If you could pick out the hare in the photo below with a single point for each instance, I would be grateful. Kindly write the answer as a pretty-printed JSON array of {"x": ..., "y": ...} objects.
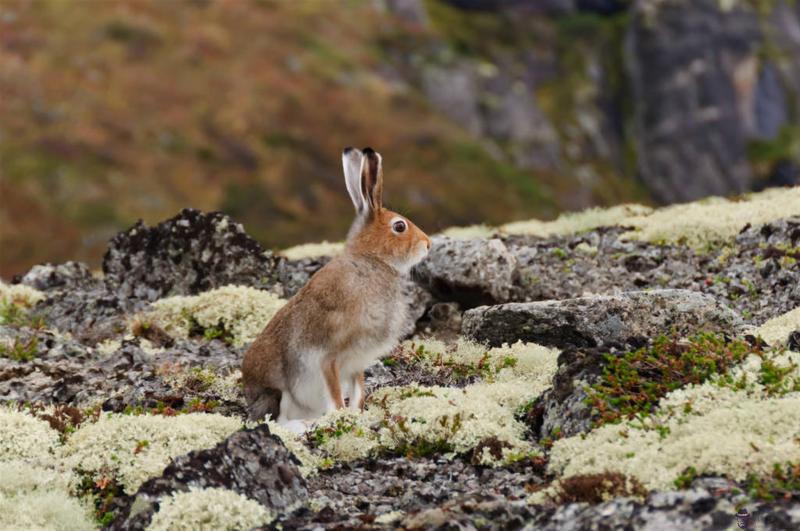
[{"x": 311, "y": 356}]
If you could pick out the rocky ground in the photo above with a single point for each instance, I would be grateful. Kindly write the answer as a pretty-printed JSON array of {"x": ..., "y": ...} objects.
[{"x": 96, "y": 362}]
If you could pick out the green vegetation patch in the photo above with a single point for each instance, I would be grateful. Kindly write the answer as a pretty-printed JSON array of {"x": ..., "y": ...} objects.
[
  {"x": 783, "y": 483},
  {"x": 20, "y": 350},
  {"x": 632, "y": 384}
]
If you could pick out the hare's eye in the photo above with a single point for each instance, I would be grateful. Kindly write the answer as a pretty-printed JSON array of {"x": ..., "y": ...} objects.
[{"x": 399, "y": 226}]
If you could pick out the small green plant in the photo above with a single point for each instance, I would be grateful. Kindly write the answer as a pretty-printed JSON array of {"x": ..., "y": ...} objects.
[
  {"x": 631, "y": 385},
  {"x": 778, "y": 380},
  {"x": 206, "y": 332},
  {"x": 20, "y": 350},
  {"x": 15, "y": 315},
  {"x": 102, "y": 489},
  {"x": 684, "y": 481},
  {"x": 323, "y": 434},
  {"x": 782, "y": 483}
]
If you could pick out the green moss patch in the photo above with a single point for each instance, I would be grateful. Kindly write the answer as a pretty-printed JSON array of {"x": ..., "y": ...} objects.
[{"x": 632, "y": 384}]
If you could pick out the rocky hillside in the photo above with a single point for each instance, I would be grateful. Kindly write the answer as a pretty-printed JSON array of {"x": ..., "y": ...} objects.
[
  {"x": 488, "y": 111},
  {"x": 618, "y": 367}
]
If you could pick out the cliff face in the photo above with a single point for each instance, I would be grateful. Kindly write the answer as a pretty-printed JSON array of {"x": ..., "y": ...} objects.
[{"x": 685, "y": 98}]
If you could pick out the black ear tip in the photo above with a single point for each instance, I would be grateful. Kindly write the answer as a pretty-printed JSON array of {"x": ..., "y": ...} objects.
[
  {"x": 347, "y": 150},
  {"x": 368, "y": 151}
]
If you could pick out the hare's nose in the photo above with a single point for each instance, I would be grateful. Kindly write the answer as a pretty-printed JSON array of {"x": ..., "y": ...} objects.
[{"x": 428, "y": 244}]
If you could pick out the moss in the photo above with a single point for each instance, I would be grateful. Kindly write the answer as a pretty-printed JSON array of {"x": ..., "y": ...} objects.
[
  {"x": 208, "y": 509},
  {"x": 632, "y": 384}
]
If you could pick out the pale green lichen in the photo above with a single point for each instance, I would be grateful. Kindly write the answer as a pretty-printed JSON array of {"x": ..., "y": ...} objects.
[
  {"x": 19, "y": 295},
  {"x": 239, "y": 312},
  {"x": 577, "y": 222},
  {"x": 714, "y": 220},
  {"x": 114, "y": 444},
  {"x": 211, "y": 509},
  {"x": 313, "y": 250},
  {"x": 418, "y": 420},
  {"x": 34, "y": 491},
  {"x": 50, "y": 510},
  {"x": 700, "y": 224},
  {"x": 471, "y": 232},
  {"x": 26, "y": 437},
  {"x": 735, "y": 425},
  {"x": 776, "y": 331},
  {"x": 310, "y": 462}
]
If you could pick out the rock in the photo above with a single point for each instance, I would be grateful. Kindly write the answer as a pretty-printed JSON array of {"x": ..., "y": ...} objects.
[
  {"x": 694, "y": 73},
  {"x": 597, "y": 320},
  {"x": 563, "y": 406},
  {"x": 695, "y": 508},
  {"x": 793, "y": 342},
  {"x": 294, "y": 274},
  {"x": 65, "y": 371},
  {"x": 188, "y": 254},
  {"x": 470, "y": 272},
  {"x": 69, "y": 275},
  {"x": 252, "y": 462},
  {"x": 443, "y": 320},
  {"x": 418, "y": 299}
]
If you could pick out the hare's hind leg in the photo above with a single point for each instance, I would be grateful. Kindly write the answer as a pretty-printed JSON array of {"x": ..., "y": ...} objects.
[
  {"x": 263, "y": 402},
  {"x": 355, "y": 390}
]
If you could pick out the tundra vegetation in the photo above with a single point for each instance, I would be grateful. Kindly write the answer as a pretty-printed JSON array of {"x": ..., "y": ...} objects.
[{"x": 666, "y": 412}]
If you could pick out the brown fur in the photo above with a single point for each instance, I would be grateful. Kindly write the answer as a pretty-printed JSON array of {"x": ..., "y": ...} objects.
[{"x": 351, "y": 302}]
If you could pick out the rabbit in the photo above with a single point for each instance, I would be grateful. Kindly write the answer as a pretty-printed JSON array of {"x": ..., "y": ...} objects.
[{"x": 311, "y": 356}]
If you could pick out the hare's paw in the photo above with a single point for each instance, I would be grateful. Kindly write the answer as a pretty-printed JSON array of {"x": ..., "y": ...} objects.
[{"x": 297, "y": 426}]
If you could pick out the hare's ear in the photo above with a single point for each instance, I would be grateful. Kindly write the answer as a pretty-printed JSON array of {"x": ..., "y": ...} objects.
[
  {"x": 372, "y": 179},
  {"x": 353, "y": 162}
]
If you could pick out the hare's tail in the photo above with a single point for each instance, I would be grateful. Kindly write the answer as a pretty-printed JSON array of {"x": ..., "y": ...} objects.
[{"x": 262, "y": 402}]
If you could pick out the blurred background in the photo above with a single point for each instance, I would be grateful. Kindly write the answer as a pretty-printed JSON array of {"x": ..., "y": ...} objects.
[{"x": 486, "y": 111}]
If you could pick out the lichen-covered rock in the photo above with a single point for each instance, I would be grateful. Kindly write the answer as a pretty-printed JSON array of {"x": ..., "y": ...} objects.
[
  {"x": 251, "y": 462},
  {"x": 470, "y": 272},
  {"x": 294, "y": 274},
  {"x": 117, "y": 374},
  {"x": 185, "y": 255},
  {"x": 597, "y": 320},
  {"x": 69, "y": 275},
  {"x": 696, "y": 508}
]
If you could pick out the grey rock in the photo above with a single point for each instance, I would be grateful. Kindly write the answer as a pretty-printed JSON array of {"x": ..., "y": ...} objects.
[
  {"x": 294, "y": 274},
  {"x": 252, "y": 462},
  {"x": 690, "y": 68},
  {"x": 68, "y": 372},
  {"x": 596, "y": 320},
  {"x": 188, "y": 254},
  {"x": 418, "y": 300},
  {"x": 470, "y": 272},
  {"x": 69, "y": 275}
]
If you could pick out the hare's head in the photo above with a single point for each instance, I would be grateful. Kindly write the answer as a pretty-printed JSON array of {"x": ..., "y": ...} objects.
[{"x": 377, "y": 231}]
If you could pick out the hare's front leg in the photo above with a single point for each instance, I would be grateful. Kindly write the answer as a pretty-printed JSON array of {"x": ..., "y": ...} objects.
[{"x": 330, "y": 370}]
